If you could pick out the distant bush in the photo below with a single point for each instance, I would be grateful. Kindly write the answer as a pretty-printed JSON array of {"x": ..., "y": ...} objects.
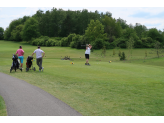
[
  {"x": 98, "y": 43},
  {"x": 72, "y": 45},
  {"x": 107, "y": 45},
  {"x": 122, "y": 56},
  {"x": 57, "y": 43},
  {"x": 50, "y": 42},
  {"x": 112, "y": 45},
  {"x": 70, "y": 36},
  {"x": 64, "y": 42},
  {"x": 81, "y": 41},
  {"x": 138, "y": 44},
  {"x": 43, "y": 41},
  {"x": 56, "y": 38},
  {"x": 53, "y": 42},
  {"x": 77, "y": 41}
]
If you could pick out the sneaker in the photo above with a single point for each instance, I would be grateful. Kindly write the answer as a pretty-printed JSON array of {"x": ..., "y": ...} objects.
[
  {"x": 88, "y": 64},
  {"x": 85, "y": 63},
  {"x": 39, "y": 70},
  {"x": 42, "y": 68}
]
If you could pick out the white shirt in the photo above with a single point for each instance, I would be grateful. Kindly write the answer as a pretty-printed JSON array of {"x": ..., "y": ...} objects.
[
  {"x": 38, "y": 53},
  {"x": 87, "y": 51}
]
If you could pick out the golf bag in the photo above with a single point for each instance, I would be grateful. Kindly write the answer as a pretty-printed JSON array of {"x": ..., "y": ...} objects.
[
  {"x": 15, "y": 64},
  {"x": 29, "y": 63}
]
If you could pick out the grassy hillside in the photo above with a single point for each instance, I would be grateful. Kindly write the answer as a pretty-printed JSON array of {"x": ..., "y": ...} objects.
[
  {"x": 130, "y": 87},
  {"x": 3, "y": 111}
]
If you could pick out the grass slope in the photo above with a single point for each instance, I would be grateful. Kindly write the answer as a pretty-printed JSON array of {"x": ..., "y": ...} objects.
[
  {"x": 127, "y": 88},
  {"x": 3, "y": 111}
]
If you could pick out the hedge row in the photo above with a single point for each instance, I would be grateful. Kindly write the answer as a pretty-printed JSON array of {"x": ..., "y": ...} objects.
[
  {"x": 79, "y": 41},
  {"x": 45, "y": 41}
]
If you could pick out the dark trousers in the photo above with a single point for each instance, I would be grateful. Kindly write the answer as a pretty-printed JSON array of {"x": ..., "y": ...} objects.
[{"x": 39, "y": 63}]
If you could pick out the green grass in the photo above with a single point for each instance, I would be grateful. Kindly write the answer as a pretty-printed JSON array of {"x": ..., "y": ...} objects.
[
  {"x": 133, "y": 87},
  {"x": 3, "y": 111}
]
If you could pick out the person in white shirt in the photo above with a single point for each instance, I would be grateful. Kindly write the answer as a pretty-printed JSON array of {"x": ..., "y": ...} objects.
[
  {"x": 39, "y": 57},
  {"x": 87, "y": 53}
]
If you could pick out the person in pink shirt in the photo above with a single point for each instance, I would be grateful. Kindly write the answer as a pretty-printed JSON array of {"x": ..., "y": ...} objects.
[{"x": 20, "y": 53}]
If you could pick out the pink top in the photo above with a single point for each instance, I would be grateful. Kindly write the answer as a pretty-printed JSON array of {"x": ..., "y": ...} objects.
[{"x": 20, "y": 52}]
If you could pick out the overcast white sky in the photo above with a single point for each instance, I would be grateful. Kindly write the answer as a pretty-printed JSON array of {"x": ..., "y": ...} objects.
[{"x": 149, "y": 13}]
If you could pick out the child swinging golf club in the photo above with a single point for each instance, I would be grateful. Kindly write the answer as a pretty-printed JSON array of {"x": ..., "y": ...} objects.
[{"x": 87, "y": 53}]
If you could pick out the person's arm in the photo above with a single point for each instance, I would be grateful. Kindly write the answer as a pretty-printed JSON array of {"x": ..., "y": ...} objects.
[{"x": 32, "y": 54}]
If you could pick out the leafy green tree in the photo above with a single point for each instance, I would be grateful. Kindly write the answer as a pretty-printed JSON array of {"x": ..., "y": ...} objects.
[
  {"x": 120, "y": 42},
  {"x": 1, "y": 33},
  {"x": 122, "y": 23},
  {"x": 138, "y": 44},
  {"x": 121, "y": 55},
  {"x": 68, "y": 24},
  {"x": 103, "y": 50},
  {"x": 144, "y": 34},
  {"x": 77, "y": 41},
  {"x": 11, "y": 27},
  {"x": 155, "y": 35},
  {"x": 140, "y": 29},
  {"x": 24, "y": 19},
  {"x": 70, "y": 36},
  {"x": 44, "y": 25},
  {"x": 127, "y": 34},
  {"x": 112, "y": 28},
  {"x": 56, "y": 19},
  {"x": 64, "y": 42},
  {"x": 157, "y": 48},
  {"x": 98, "y": 43},
  {"x": 130, "y": 45},
  {"x": 95, "y": 30},
  {"x": 6, "y": 34},
  {"x": 16, "y": 34},
  {"x": 84, "y": 20},
  {"x": 30, "y": 29},
  {"x": 39, "y": 17}
]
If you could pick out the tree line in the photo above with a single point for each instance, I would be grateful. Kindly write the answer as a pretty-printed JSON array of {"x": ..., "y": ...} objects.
[{"x": 80, "y": 27}]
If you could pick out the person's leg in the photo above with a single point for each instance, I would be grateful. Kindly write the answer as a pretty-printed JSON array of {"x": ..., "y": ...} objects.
[
  {"x": 21, "y": 60},
  {"x": 39, "y": 63},
  {"x": 86, "y": 59}
]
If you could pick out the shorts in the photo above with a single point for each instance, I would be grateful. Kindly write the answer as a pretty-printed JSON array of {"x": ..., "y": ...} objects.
[
  {"x": 21, "y": 59},
  {"x": 87, "y": 56}
]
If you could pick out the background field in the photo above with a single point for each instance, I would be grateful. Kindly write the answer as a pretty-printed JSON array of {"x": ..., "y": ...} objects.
[
  {"x": 120, "y": 88},
  {"x": 3, "y": 111}
]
